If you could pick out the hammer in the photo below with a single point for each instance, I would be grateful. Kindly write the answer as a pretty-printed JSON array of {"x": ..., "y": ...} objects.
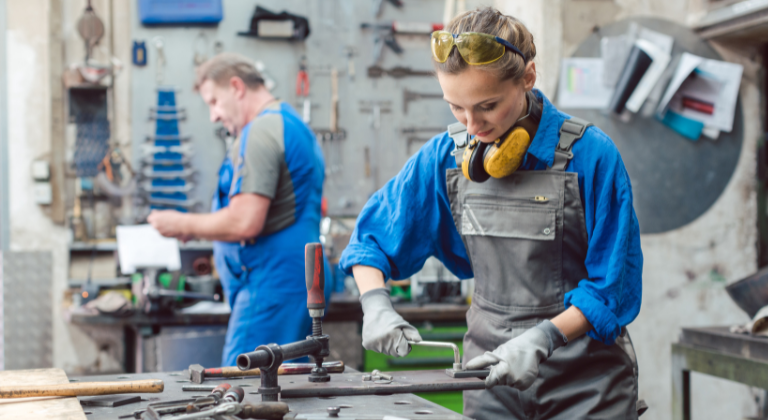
[
  {"x": 198, "y": 374},
  {"x": 83, "y": 389}
]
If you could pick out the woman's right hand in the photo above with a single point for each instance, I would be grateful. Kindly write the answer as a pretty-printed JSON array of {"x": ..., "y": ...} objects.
[{"x": 384, "y": 330}]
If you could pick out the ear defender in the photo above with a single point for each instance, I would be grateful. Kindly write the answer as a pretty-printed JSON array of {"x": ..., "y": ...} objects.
[
  {"x": 472, "y": 166},
  {"x": 497, "y": 159},
  {"x": 505, "y": 156}
]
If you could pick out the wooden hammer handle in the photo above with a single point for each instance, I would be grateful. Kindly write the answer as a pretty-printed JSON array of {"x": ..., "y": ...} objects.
[{"x": 83, "y": 389}]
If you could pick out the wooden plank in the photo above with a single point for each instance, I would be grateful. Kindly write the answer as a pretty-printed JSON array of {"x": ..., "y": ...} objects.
[{"x": 55, "y": 408}]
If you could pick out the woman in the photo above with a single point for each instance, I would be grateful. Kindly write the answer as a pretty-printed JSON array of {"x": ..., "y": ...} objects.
[{"x": 543, "y": 221}]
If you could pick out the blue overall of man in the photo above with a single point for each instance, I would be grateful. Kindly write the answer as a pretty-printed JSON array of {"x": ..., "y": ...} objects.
[{"x": 266, "y": 207}]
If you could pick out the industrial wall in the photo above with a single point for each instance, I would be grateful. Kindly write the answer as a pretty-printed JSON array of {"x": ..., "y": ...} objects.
[{"x": 685, "y": 269}]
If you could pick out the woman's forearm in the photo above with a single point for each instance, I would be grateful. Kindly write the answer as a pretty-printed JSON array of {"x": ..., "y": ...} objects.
[
  {"x": 367, "y": 278},
  {"x": 572, "y": 323}
]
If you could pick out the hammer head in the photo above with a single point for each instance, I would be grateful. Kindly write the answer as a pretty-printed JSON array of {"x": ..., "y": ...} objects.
[{"x": 196, "y": 374}]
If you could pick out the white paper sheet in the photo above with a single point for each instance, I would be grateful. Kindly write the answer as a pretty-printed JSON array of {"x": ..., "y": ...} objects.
[
  {"x": 142, "y": 246},
  {"x": 581, "y": 84},
  {"x": 729, "y": 75},
  {"x": 660, "y": 62}
]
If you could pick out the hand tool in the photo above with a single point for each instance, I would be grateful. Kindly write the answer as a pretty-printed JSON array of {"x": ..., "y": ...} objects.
[
  {"x": 410, "y": 96},
  {"x": 155, "y": 410},
  {"x": 375, "y": 72},
  {"x": 235, "y": 394},
  {"x": 269, "y": 357},
  {"x": 334, "y": 124},
  {"x": 457, "y": 371},
  {"x": 198, "y": 374},
  {"x": 264, "y": 410},
  {"x": 385, "y": 34},
  {"x": 83, "y": 389}
]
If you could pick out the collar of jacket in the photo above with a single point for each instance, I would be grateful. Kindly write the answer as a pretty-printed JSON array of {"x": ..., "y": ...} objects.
[{"x": 543, "y": 144}]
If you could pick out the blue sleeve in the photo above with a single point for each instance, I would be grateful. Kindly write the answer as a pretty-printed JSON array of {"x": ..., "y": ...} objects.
[
  {"x": 610, "y": 298},
  {"x": 409, "y": 220}
]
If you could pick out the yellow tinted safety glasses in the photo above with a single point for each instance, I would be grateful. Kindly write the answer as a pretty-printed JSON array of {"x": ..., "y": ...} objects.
[{"x": 475, "y": 48}]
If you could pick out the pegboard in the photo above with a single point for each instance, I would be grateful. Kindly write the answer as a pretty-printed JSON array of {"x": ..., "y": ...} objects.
[{"x": 368, "y": 157}]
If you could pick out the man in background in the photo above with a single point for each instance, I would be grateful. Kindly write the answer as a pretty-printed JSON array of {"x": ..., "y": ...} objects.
[{"x": 265, "y": 209}]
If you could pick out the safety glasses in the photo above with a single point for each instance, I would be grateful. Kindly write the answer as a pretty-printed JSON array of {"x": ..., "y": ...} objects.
[{"x": 475, "y": 48}]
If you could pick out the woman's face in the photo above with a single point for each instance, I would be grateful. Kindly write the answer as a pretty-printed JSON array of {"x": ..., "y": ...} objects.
[{"x": 486, "y": 105}]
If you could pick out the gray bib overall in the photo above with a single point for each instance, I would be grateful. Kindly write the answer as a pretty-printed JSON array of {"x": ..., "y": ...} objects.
[{"x": 526, "y": 238}]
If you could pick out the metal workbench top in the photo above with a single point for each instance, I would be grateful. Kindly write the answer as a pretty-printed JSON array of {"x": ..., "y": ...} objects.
[{"x": 402, "y": 406}]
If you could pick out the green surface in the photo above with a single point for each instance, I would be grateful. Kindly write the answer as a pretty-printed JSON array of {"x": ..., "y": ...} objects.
[{"x": 424, "y": 358}]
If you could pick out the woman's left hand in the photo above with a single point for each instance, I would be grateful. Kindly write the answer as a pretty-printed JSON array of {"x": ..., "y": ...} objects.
[{"x": 516, "y": 362}]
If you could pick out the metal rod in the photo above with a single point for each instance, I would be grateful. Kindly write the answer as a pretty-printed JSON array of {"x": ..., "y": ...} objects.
[{"x": 453, "y": 346}]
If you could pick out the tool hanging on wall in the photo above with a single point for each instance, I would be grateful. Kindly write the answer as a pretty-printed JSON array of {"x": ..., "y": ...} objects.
[
  {"x": 375, "y": 72},
  {"x": 410, "y": 96},
  {"x": 378, "y": 5},
  {"x": 334, "y": 124},
  {"x": 139, "y": 53},
  {"x": 302, "y": 90},
  {"x": 375, "y": 108},
  {"x": 385, "y": 34},
  {"x": 201, "y": 49},
  {"x": 91, "y": 28},
  {"x": 157, "y": 42},
  {"x": 350, "y": 53}
]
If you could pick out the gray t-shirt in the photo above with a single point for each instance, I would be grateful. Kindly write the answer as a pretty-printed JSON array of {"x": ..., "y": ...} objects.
[{"x": 265, "y": 171}]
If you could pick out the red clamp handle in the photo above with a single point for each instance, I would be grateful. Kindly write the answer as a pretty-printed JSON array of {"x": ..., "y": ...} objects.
[{"x": 314, "y": 273}]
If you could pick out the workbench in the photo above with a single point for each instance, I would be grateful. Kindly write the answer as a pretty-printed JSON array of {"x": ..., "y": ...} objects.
[
  {"x": 406, "y": 406},
  {"x": 718, "y": 352},
  {"x": 343, "y": 308}
]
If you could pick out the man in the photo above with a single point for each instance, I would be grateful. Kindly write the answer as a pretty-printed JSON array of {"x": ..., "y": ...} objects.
[{"x": 265, "y": 209}]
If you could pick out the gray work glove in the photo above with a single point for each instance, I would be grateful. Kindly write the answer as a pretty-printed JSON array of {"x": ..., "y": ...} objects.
[
  {"x": 516, "y": 362},
  {"x": 384, "y": 330}
]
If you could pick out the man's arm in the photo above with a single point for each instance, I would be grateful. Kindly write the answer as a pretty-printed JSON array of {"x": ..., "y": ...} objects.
[{"x": 243, "y": 219}]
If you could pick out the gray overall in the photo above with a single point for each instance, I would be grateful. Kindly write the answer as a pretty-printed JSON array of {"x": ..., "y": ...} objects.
[{"x": 526, "y": 238}]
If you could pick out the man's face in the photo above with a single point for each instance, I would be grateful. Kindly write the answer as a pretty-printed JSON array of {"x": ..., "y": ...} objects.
[{"x": 224, "y": 104}]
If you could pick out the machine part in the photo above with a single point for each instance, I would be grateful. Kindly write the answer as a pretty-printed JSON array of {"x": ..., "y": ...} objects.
[
  {"x": 333, "y": 411},
  {"x": 229, "y": 408},
  {"x": 269, "y": 357},
  {"x": 381, "y": 375},
  {"x": 235, "y": 394},
  {"x": 83, "y": 389},
  {"x": 456, "y": 354},
  {"x": 202, "y": 266},
  {"x": 404, "y": 382},
  {"x": 398, "y": 72},
  {"x": 198, "y": 374},
  {"x": 410, "y": 96},
  {"x": 314, "y": 275},
  {"x": 367, "y": 377},
  {"x": 91, "y": 29}
]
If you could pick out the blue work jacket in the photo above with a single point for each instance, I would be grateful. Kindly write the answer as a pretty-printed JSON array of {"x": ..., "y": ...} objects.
[{"x": 409, "y": 220}]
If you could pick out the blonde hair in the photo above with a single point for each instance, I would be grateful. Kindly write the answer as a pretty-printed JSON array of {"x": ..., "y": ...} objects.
[
  {"x": 222, "y": 67},
  {"x": 490, "y": 21}
]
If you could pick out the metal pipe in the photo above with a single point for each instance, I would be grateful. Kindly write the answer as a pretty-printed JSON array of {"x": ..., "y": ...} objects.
[
  {"x": 262, "y": 358},
  {"x": 453, "y": 346}
]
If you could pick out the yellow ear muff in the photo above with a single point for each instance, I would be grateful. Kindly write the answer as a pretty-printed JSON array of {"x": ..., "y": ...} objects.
[
  {"x": 472, "y": 165},
  {"x": 505, "y": 156}
]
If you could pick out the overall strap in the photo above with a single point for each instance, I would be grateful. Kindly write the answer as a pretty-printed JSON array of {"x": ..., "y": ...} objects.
[
  {"x": 458, "y": 132},
  {"x": 237, "y": 164},
  {"x": 570, "y": 131}
]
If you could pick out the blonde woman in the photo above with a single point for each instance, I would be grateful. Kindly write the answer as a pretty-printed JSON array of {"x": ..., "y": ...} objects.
[{"x": 537, "y": 207}]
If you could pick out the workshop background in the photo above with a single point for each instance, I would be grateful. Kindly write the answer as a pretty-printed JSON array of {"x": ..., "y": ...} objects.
[{"x": 701, "y": 204}]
